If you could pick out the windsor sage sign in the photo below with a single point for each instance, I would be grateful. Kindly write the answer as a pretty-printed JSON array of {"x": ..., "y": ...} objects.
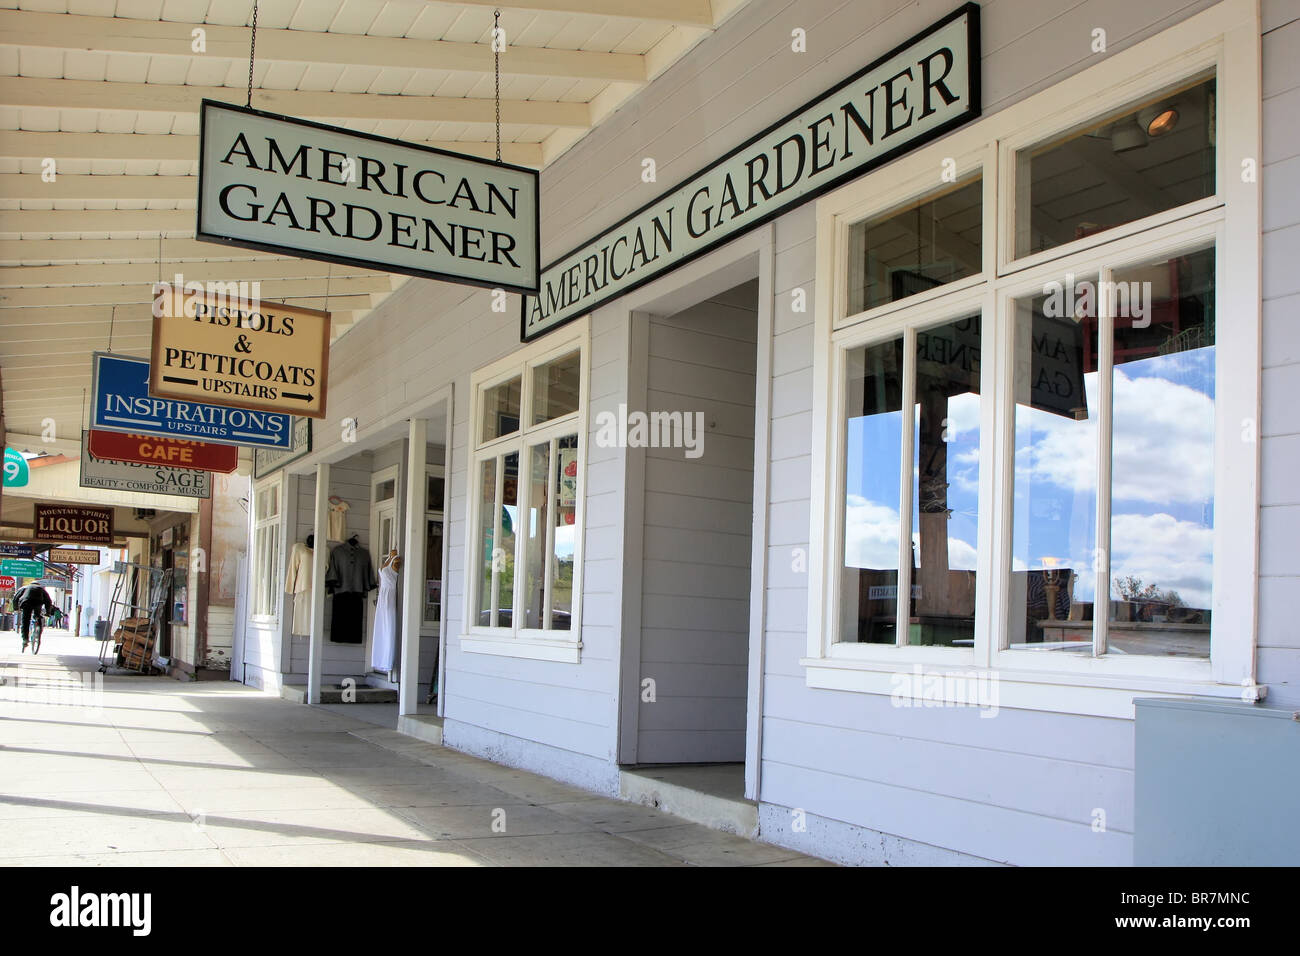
[
  {"x": 280, "y": 184},
  {"x": 921, "y": 89}
]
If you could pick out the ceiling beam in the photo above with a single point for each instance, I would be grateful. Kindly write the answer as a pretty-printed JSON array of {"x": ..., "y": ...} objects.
[
  {"x": 141, "y": 250},
  {"x": 34, "y": 186},
  {"x": 677, "y": 12},
  {"x": 147, "y": 272},
  {"x": 273, "y": 290},
  {"x": 97, "y": 220},
  {"x": 170, "y": 146},
  {"x": 43, "y": 93},
  {"x": 342, "y": 308},
  {"x": 63, "y": 31}
]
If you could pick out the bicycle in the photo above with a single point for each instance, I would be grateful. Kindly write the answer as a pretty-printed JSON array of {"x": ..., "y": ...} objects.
[{"x": 35, "y": 629}]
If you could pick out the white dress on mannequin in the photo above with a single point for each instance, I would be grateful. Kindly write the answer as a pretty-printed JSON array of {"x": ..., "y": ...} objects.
[{"x": 383, "y": 646}]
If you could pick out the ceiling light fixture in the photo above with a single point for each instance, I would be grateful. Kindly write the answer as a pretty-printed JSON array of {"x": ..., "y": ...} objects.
[{"x": 1159, "y": 119}]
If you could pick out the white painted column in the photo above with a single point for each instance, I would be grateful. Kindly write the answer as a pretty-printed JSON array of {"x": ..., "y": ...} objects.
[
  {"x": 319, "y": 558},
  {"x": 417, "y": 454}
]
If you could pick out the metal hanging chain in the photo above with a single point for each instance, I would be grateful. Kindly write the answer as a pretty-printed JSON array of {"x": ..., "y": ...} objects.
[
  {"x": 329, "y": 271},
  {"x": 112, "y": 319},
  {"x": 252, "y": 52},
  {"x": 496, "y": 56}
]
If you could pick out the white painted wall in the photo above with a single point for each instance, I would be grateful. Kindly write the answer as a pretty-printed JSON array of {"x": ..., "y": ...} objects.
[
  {"x": 1279, "y": 640},
  {"x": 698, "y": 520},
  {"x": 1020, "y": 788}
]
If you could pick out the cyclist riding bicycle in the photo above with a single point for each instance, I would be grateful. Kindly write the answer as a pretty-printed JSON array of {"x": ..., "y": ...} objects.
[{"x": 30, "y": 600}]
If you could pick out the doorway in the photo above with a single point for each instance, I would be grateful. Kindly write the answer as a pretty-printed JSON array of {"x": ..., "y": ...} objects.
[
  {"x": 384, "y": 494},
  {"x": 697, "y": 527}
]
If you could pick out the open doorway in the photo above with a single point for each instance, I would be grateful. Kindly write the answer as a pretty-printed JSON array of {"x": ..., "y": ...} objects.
[{"x": 697, "y": 527}]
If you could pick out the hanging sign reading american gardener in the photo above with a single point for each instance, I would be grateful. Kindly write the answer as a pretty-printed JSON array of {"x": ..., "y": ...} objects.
[
  {"x": 257, "y": 355},
  {"x": 280, "y": 184},
  {"x": 920, "y": 90}
]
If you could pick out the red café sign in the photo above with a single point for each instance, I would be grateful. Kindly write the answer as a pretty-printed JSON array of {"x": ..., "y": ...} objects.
[{"x": 173, "y": 452}]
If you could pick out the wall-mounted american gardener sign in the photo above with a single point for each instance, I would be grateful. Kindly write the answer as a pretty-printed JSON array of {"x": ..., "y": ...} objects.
[
  {"x": 271, "y": 357},
  {"x": 81, "y": 524},
  {"x": 917, "y": 91},
  {"x": 280, "y": 184}
]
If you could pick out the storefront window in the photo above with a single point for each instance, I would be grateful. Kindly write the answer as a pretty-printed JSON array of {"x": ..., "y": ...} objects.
[
  {"x": 1143, "y": 159},
  {"x": 1050, "y": 468},
  {"x": 925, "y": 244},
  {"x": 266, "y": 550},
  {"x": 1162, "y": 472},
  {"x": 1054, "y": 515},
  {"x": 939, "y": 365},
  {"x": 500, "y": 410},
  {"x": 555, "y": 388},
  {"x": 528, "y": 505}
]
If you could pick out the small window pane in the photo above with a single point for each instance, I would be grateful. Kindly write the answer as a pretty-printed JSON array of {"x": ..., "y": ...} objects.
[
  {"x": 874, "y": 443},
  {"x": 500, "y": 410},
  {"x": 505, "y": 553},
  {"x": 918, "y": 247},
  {"x": 385, "y": 489},
  {"x": 945, "y": 490},
  {"x": 565, "y": 513},
  {"x": 487, "y": 518},
  {"x": 535, "y": 536},
  {"x": 432, "y": 571},
  {"x": 555, "y": 388},
  {"x": 1054, "y": 517},
  {"x": 434, "y": 490},
  {"x": 1162, "y": 473},
  {"x": 1144, "y": 159}
]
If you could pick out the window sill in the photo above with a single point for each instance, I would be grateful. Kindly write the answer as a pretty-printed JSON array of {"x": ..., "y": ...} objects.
[
  {"x": 918, "y": 684},
  {"x": 565, "y": 651}
]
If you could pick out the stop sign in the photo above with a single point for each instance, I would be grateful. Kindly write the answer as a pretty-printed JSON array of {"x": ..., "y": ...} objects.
[{"x": 7, "y": 582}]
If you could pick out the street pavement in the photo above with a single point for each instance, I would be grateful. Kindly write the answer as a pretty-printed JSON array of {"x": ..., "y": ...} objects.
[{"x": 149, "y": 771}]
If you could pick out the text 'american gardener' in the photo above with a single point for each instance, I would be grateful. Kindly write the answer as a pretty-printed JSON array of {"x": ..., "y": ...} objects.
[{"x": 363, "y": 223}]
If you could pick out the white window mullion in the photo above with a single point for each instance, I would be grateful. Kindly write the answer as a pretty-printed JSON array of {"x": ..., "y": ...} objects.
[
  {"x": 500, "y": 471},
  {"x": 1105, "y": 417},
  {"x": 903, "y": 628},
  {"x": 552, "y": 510}
]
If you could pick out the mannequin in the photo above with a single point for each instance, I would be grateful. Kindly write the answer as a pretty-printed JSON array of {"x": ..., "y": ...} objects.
[
  {"x": 383, "y": 647},
  {"x": 298, "y": 582},
  {"x": 349, "y": 577}
]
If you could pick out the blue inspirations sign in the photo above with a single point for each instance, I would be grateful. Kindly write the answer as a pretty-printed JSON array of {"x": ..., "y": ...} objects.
[{"x": 123, "y": 404}]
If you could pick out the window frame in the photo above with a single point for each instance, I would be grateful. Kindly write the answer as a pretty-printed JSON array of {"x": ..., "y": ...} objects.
[
  {"x": 516, "y": 640},
  {"x": 434, "y": 514},
  {"x": 271, "y": 575},
  {"x": 1224, "y": 38}
]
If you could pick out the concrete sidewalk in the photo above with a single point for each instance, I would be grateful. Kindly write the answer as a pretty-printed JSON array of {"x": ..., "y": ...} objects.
[{"x": 155, "y": 772}]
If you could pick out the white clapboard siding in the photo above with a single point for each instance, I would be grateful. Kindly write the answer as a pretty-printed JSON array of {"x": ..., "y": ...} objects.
[
  {"x": 1018, "y": 788},
  {"x": 1279, "y": 640},
  {"x": 698, "y": 518}
]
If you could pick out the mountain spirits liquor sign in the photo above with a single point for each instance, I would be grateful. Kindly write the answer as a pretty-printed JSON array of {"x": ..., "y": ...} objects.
[
  {"x": 280, "y": 184},
  {"x": 73, "y": 523},
  {"x": 914, "y": 93}
]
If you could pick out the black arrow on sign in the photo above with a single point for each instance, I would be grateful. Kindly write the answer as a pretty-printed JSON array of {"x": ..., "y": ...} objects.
[
  {"x": 306, "y": 398},
  {"x": 180, "y": 381}
]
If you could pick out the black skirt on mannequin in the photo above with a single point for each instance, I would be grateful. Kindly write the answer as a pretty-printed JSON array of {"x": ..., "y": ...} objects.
[{"x": 347, "y": 621}]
